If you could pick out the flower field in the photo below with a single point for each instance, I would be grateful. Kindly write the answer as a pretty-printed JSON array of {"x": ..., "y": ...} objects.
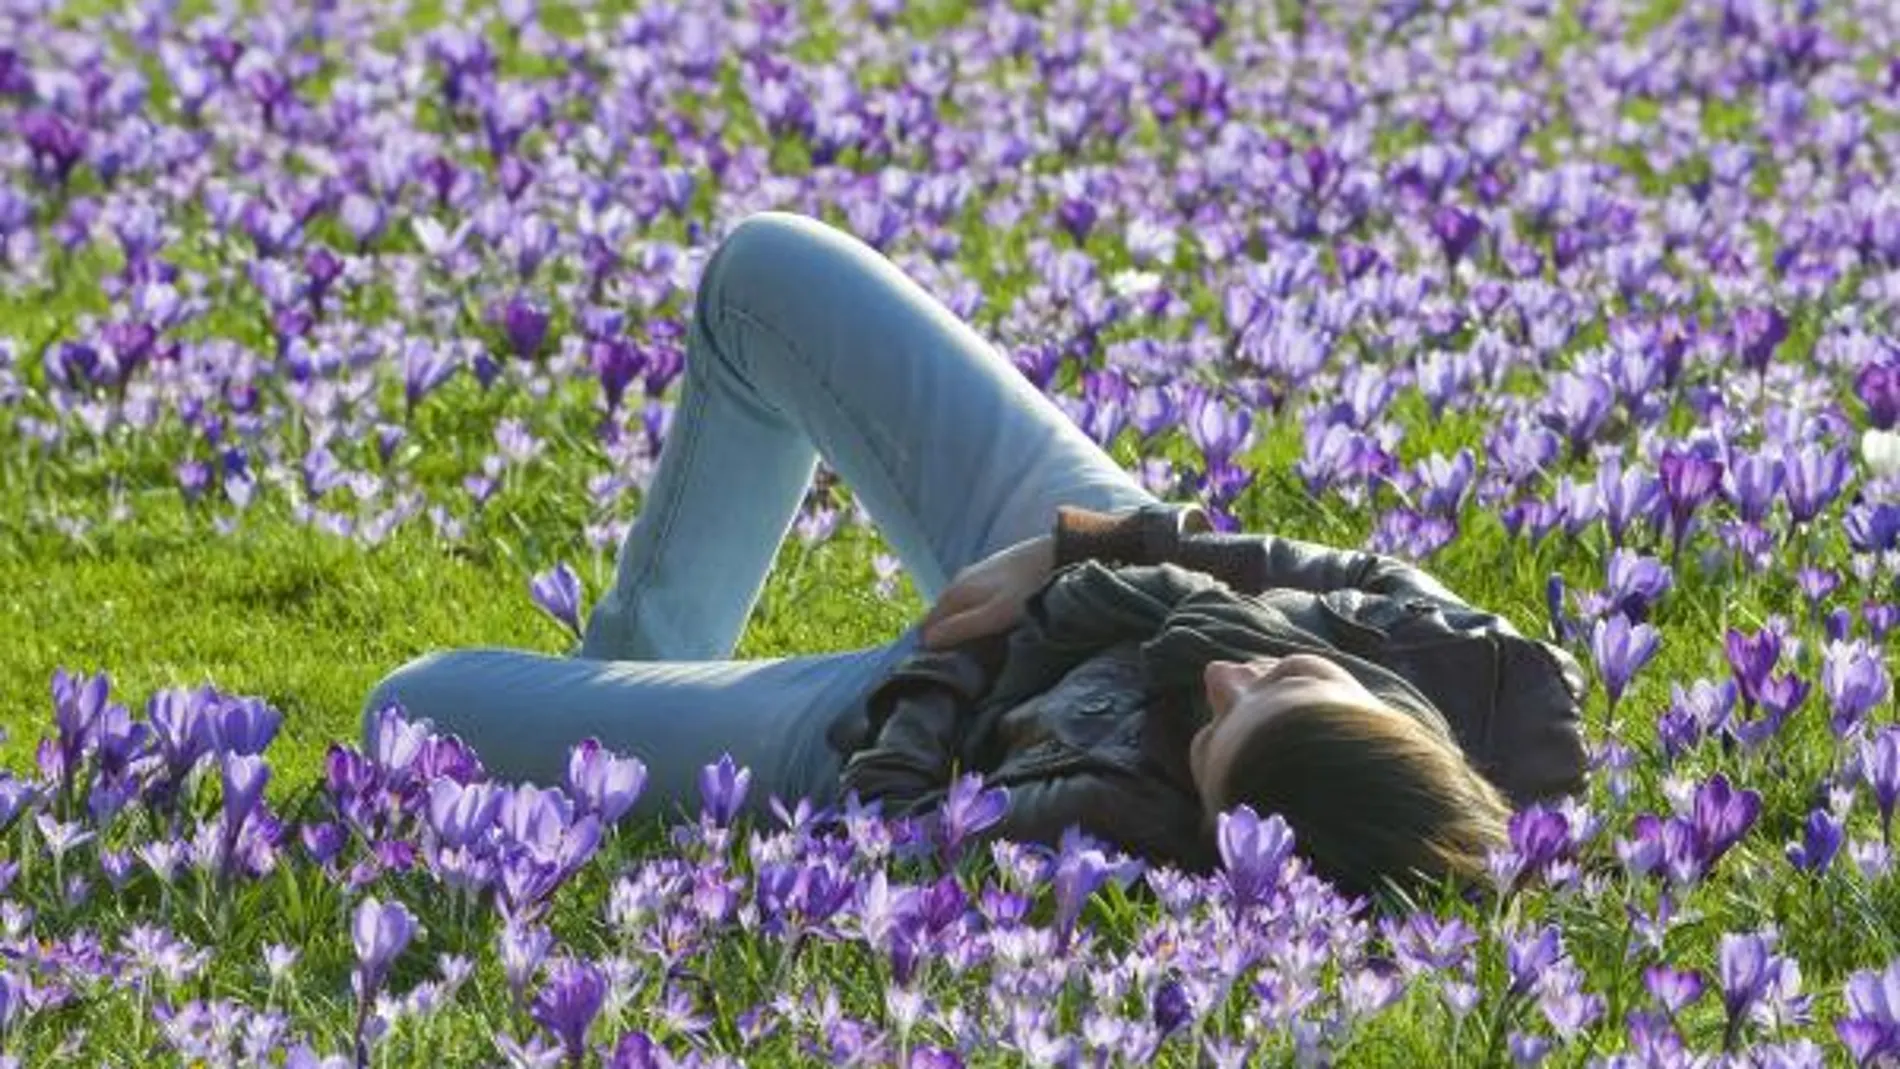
[{"x": 332, "y": 333}]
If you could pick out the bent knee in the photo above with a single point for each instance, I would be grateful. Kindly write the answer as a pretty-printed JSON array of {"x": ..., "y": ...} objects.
[
  {"x": 757, "y": 264},
  {"x": 767, "y": 231}
]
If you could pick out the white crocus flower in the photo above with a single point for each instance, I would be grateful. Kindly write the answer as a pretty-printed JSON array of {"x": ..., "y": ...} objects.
[
  {"x": 1133, "y": 283},
  {"x": 1880, "y": 450}
]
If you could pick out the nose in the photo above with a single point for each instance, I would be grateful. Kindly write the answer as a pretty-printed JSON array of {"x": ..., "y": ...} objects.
[{"x": 1226, "y": 679}]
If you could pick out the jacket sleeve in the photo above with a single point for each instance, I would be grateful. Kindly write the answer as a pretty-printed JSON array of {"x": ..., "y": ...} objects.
[
  {"x": 912, "y": 758},
  {"x": 1536, "y": 750},
  {"x": 1248, "y": 563}
]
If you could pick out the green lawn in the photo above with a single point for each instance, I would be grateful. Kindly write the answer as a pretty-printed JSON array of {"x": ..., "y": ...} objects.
[{"x": 311, "y": 622}]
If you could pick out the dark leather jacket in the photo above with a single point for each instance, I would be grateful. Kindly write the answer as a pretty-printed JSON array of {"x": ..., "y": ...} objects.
[{"x": 1103, "y": 748}]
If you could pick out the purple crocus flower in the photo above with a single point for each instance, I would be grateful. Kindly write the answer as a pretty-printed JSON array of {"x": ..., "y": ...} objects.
[
  {"x": 1576, "y": 504},
  {"x": 969, "y": 809},
  {"x": 1218, "y": 430},
  {"x": 1758, "y": 332},
  {"x": 1816, "y": 584},
  {"x": 533, "y": 238},
  {"x": 244, "y": 725},
  {"x": 1456, "y": 230},
  {"x": 1880, "y": 617},
  {"x": 616, "y": 363},
  {"x": 1253, "y": 852},
  {"x": 1868, "y": 1040},
  {"x": 180, "y": 728},
  {"x": 380, "y": 932},
  {"x": 1673, "y": 989},
  {"x": 1565, "y": 1003},
  {"x": 1528, "y": 1049},
  {"x": 1152, "y": 411},
  {"x": 1821, "y": 839},
  {"x": 396, "y": 743},
  {"x": 77, "y": 708},
  {"x": 1781, "y": 694},
  {"x": 558, "y": 593},
  {"x": 1838, "y": 624},
  {"x": 15, "y": 74},
  {"x": 637, "y": 1050},
  {"x": 1722, "y": 815},
  {"x": 425, "y": 366},
  {"x": 363, "y": 217},
  {"x": 1576, "y": 406},
  {"x": 1076, "y": 216},
  {"x": 1745, "y": 967},
  {"x": 16, "y": 795},
  {"x": 1855, "y": 682},
  {"x": 1871, "y": 527},
  {"x": 1079, "y": 872},
  {"x": 552, "y": 834},
  {"x": 1752, "y": 484},
  {"x": 1527, "y": 957},
  {"x": 1654, "y": 1042},
  {"x": 1880, "y": 765},
  {"x": 194, "y": 476},
  {"x": 1871, "y": 1028},
  {"x": 1445, "y": 483},
  {"x": 1658, "y": 846},
  {"x": 1171, "y": 1009},
  {"x": 1356, "y": 258},
  {"x": 244, "y": 777},
  {"x": 524, "y": 324},
  {"x": 1562, "y": 627},
  {"x": 1620, "y": 650},
  {"x": 323, "y": 841},
  {"x": 462, "y": 814},
  {"x": 1689, "y": 480},
  {"x": 602, "y": 782},
  {"x": 568, "y": 1003},
  {"x": 1539, "y": 837},
  {"x": 1878, "y": 387},
  {"x": 1751, "y": 658},
  {"x": 323, "y": 268},
  {"x": 524, "y": 946},
  {"x": 1635, "y": 582},
  {"x": 1815, "y": 478},
  {"x": 57, "y": 145},
  {"x": 722, "y": 790}
]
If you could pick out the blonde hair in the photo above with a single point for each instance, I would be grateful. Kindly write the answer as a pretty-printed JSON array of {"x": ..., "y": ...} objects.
[{"x": 1371, "y": 795}]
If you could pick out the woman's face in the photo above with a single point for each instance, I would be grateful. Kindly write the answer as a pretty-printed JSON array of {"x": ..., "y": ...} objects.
[{"x": 1243, "y": 695}]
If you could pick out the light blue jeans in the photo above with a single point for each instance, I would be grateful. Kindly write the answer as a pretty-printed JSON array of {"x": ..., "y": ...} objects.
[{"x": 804, "y": 342}]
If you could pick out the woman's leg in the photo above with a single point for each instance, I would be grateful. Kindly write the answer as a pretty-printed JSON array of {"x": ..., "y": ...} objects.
[
  {"x": 805, "y": 341},
  {"x": 522, "y": 712}
]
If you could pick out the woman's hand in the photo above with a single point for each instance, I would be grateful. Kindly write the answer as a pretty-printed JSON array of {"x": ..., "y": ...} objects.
[{"x": 986, "y": 597}]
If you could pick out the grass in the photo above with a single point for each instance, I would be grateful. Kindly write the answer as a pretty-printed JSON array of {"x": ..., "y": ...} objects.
[{"x": 311, "y": 622}]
